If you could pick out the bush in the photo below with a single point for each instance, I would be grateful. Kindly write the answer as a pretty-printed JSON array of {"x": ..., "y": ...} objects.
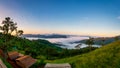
[{"x": 40, "y": 63}]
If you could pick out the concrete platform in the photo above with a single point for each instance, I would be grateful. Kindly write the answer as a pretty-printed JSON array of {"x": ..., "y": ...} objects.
[{"x": 63, "y": 65}]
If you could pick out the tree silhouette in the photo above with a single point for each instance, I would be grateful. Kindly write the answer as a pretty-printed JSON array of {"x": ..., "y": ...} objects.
[
  {"x": 8, "y": 26},
  {"x": 13, "y": 27},
  {"x": 90, "y": 42},
  {"x": 19, "y": 32}
]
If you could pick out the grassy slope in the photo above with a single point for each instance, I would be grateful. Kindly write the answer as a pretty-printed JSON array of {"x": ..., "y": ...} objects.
[
  {"x": 98, "y": 41},
  {"x": 105, "y": 57}
]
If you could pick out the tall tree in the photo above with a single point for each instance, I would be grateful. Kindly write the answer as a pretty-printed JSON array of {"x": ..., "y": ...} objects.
[
  {"x": 90, "y": 42},
  {"x": 8, "y": 26}
]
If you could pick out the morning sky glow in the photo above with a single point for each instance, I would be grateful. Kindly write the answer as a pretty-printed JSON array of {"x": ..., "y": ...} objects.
[{"x": 78, "y": 17}]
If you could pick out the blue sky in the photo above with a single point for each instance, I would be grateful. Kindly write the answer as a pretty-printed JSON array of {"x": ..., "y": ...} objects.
[{"x": 80, "y": 17}]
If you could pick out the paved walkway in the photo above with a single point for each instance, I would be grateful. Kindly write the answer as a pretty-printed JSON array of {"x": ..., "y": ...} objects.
[
  {"x": 2, "y": 65},
  {"x": 64, "y": 65}
]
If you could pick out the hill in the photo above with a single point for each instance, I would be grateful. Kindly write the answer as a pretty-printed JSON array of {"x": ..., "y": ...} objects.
[
  {"x": 45, "y": 36},
  {"x": 104, "y": 57},
  {"x": 38, "y": 49},
  {"x": 99, "y": 40},
  {"x": 34, "y": 48}
]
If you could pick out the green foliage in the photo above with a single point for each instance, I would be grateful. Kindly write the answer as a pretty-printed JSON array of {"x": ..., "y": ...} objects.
[
  {"x": 73, "y": 52},
  {"x": 101, "y": 40},
  {"x": 8, "y": 26},
  {"x": 104, "y": 57},
  {"x": 41, "y": 49},
  {"x": 90, "y": 42},
  {"x": 39, "y": 64},
  {"x": 116, "y": 38},
  {"x": 29, "y": 47}
]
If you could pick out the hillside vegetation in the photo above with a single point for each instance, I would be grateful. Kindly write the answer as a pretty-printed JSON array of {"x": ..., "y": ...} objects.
[
  {"x": 39, "y": 49},
  {"x": 101, "y": 40},
  {"x": 104, "y": 57},
  {"x": 29, "y": 47}
]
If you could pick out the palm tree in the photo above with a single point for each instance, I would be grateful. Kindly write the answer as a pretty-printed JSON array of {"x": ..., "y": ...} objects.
[{"x": 90, "y": 42}]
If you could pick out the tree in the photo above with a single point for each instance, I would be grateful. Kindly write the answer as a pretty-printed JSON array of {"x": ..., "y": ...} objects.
[
  {"x": 90, "y": 42},
  {"x": 116, "y": 38},
  {"x": 103, "y": 41},
  {"x": 13, "y": 27},
  {"x": 19, "y": 32},
  {"x": 8, "y": 26}
]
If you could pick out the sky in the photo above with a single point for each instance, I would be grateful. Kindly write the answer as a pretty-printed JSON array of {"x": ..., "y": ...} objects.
[{"x": 76, "y": 17}]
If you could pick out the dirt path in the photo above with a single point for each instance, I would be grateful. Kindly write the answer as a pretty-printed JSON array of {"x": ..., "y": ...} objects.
[{"x": 2, "y": 65}]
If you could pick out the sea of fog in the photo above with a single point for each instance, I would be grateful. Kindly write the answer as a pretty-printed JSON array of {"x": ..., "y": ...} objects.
[{"x": 66, "y": 41}]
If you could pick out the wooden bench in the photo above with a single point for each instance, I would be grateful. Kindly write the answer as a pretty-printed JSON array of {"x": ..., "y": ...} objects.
[
  {"x": 20, "y": 60},
  {"x": 13, "y": 55},
  {"x": 25, "y": 61}
]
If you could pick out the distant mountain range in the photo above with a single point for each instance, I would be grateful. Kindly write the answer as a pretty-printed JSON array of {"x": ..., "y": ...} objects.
[
  {"x": 52, "y": 35},
  {"x": 46, "y": 35}
]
